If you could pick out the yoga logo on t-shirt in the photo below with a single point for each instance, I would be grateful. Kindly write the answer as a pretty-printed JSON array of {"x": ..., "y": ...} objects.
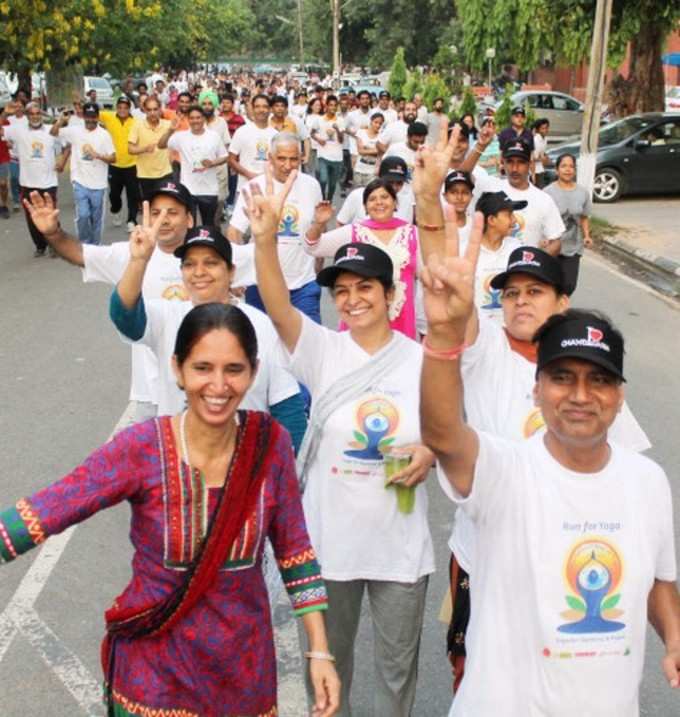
[
  {"x": 377, "y": 420},
  {"x": 492, "y": 297},
  {"x": 175, "y": 292},
  {"x": 592, "y": 573},
  {"x": 533, "y": 422},
  {"x": 289, "y": 224},
  {"x": 261, "y": 151}
]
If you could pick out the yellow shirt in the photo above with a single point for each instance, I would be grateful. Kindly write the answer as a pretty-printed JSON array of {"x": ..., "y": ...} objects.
[
  {"x": 156, "y": 164},
  {"x": 288, "y": 125},
  {"x": 119, "y": 131}
]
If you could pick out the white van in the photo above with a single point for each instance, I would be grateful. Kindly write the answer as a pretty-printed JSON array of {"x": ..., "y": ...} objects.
[{"x": 102, "y": 87}]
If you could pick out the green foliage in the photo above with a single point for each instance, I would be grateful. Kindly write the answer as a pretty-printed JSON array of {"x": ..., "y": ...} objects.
[
  {"x": 468, "y": 105},
  {"x": 398, "y": 74},
  {"x": 505, "y": 109},
  {"x": 435, "y": 87},
  {"x": 444, "y": 60},
  {"x": 414, "y": 85}
]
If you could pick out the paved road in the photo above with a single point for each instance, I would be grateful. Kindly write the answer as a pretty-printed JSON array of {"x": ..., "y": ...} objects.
[
  {"x": 64, "y": 385},
  {"x": 652, "y": 221}
]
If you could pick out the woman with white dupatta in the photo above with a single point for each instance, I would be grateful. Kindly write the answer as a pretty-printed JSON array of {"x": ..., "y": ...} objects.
[{"x": 370, "y": 533}]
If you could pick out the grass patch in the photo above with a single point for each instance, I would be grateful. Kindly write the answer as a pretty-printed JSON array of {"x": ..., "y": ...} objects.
[{"x": 601, "y": 228}]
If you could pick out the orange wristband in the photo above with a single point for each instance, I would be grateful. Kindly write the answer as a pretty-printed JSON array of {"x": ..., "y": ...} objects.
[{"x": 447, "y": 355}]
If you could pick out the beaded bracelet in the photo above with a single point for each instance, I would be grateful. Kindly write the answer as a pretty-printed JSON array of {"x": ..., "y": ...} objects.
[
  {"x": 319, "y": 656},
  {"x": 448, "y": 355}
]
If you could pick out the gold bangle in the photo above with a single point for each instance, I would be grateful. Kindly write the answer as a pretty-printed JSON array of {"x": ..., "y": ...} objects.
[{"x": 319, "y": 656}]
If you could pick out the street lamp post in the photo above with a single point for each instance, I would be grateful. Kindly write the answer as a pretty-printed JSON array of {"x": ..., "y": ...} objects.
[
  {"x": 335, "y": 10},
  {"x": 490, "y": 54}
]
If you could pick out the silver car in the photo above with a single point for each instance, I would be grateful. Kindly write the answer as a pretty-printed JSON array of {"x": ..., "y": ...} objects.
[
  {"x": 565, "y": 113},
  {"x": 5, "y": 97}
]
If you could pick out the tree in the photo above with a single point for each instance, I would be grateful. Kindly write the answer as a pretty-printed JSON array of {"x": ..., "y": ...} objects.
[
  {"x": 504, "y": 109},
  {"x": 468, "y": 105},
  {"x": 414, "y": 84},
  {"x": 562, "y": 30},
  {"x": 398, "y": 74},
  {"x": 435, "y": 87}
]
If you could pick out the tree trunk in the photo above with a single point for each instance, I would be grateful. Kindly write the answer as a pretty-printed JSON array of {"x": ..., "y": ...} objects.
[
  {"x": 646, "y": 70},
  {"x": 24, "y": 79}
]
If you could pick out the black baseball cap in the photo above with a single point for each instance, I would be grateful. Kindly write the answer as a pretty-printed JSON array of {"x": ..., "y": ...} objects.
[
  {"x": 517, "y": 148},
  {"x": 585, "y": 336},
  {"x": 362, "y": 259},
  {"x": 490, "y": 203},
  {"x": 206, "y": 236},
  {"x": 178, "y": 191},
  {"x": 384, "y": 93},
  {"x": 534, "y": 261},
  {"x": 458, "y": 177},
  {"x": 393, "y": 169},
  {"x": 519, "y": 110},
  {"x": 124, "y": 100},
  {"x": 90, "y": 109}
]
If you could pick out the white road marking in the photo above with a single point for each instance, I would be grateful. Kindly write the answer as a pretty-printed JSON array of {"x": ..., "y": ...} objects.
[{"x": 20, "y": 616}]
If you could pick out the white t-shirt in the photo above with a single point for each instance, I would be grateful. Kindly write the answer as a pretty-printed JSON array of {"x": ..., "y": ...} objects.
[
  {"x": 193, "y": 149},
  {"x": 251, "y": 145},
  {"x": 353, "y": 207},
  {"x": 541, "y": 219},
  {"x": 540, "y": 145},
  {"x": 273, "y": 383},
  {"x": 310, "y": 123},
  {"x": 393, "y": 133},
  {"x": 401, "y": 149},
  {"x": 221, "y": 128},
  {"x": 357, "y": 120},
  {"x": 36, "y": 150},
  {"x": 499, "y": 399},
  {"x": 389, "y": 114},
  {"x": 18, "y": 122},
  {"x": 353, "y": 520},
  {"x": 162, "y": 280},
  {"x": 91, "y": 173},
  {"x": 332, "y": 149},
  {"x": 484, "y": 182},
  {"x": 564, "y": 565},
  {"x": 297, "y": 215},
  {"x": 366, "y": 165},
  {"x": 491, "y": 263}
]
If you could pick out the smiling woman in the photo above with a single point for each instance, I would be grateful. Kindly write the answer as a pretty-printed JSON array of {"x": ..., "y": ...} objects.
[{"x": 205, "y": 488}]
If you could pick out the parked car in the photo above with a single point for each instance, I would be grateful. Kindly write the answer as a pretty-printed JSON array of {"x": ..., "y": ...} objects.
[
  {"x": 102, "y": 87},
  {"x": 673, "y": 99},
  {"x": 639, "y": 154},
  {"x": 373, "y": 89},
  {"x": 565, "y": 113},
  {"x": 5, "y": 96}
]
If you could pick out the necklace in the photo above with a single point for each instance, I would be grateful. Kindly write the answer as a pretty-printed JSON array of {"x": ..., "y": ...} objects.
[{"x": 183, "y": 439}]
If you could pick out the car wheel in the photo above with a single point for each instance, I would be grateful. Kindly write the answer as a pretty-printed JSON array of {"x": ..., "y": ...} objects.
[{"x": 607, "y": 186}]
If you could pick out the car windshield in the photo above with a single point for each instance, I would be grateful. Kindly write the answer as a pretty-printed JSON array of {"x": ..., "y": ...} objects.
[
  {"x": 622, "y": 130},
  {"x": 99, "y": 83}
]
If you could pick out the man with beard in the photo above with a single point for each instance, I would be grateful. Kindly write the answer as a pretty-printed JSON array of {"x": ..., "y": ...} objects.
[{"x": 397, "y": 131}]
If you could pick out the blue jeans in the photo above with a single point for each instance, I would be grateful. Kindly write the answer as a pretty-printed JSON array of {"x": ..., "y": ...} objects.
[
  {"x": 14, "y": 181},
  {"x": 307, "y": 299},
  {"x": 89, "y": 204},
  {"x": 330, "y": 174}
]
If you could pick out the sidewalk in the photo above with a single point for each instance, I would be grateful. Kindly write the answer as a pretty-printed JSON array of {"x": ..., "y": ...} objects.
[{"x": 649, "y": 236}]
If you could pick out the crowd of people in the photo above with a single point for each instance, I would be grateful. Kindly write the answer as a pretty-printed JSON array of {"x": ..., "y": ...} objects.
[{"x": 261, "y": 436}]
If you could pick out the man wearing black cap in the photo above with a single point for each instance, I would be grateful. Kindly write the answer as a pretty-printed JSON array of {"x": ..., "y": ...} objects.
[
  {"x": 416, "y": 134},
  {"x": 384, "y": 108},
  {"x": 540, "y": 223},
  {"x": 396, "y": 131},
  {"x": 517, "y": 130},
  {"x": 92, "y": 152},
  {"x": 458, "y": 188},
  {"x": 571, "y": 520},
  {"x": 395, "y": 171}
]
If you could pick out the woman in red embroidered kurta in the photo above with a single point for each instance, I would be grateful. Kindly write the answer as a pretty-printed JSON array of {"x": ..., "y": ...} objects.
[{"x": 217, "y": 658}]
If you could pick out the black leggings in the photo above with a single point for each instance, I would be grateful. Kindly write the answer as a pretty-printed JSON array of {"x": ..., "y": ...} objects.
[{"x": 124, "y": 178}]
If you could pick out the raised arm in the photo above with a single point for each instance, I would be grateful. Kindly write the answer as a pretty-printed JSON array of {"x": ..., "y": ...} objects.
[
  {"x": 448, "y": 285},
  {"x": 163, "y": 140},
  {"x": 264, "y": 212},
  {"x": 45, "y": 216}
]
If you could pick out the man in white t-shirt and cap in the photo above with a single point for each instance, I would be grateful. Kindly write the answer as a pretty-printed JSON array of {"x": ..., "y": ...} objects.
[
  {"x": 416, "y": 134},
  {"x": 578, "y": 525},
  {"x": 540, "y": 224},
  {"x": 384, "y": 108},
  {"x": 92, "y": 152},
  {"x": 358, "y": 119},
  {"x": 296, "y": 218}
]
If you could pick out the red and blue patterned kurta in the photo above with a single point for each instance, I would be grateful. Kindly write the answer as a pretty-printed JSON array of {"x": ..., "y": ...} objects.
[{"x": 218, "y": 660}]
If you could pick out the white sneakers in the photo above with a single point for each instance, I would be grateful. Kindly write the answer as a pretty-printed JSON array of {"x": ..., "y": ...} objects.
[{"x": 117, "y": 219}]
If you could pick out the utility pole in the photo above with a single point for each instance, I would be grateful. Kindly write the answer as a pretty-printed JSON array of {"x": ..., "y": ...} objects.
[
  {"x": 301, "y": 34},
  {"x": 591, "y": 115},
  {"x": 335, "y": 10}
]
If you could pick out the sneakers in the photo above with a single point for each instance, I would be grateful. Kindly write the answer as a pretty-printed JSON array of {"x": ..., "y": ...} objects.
[
  {"x": 38, "y": 253},
  {"x": 16, "y": 207},
  {"x": 117, "y": 219},
  {"x": 130, "y": 226},
  {"x": 4, "y": 212},
  {"x": 51, "y": 253}
]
